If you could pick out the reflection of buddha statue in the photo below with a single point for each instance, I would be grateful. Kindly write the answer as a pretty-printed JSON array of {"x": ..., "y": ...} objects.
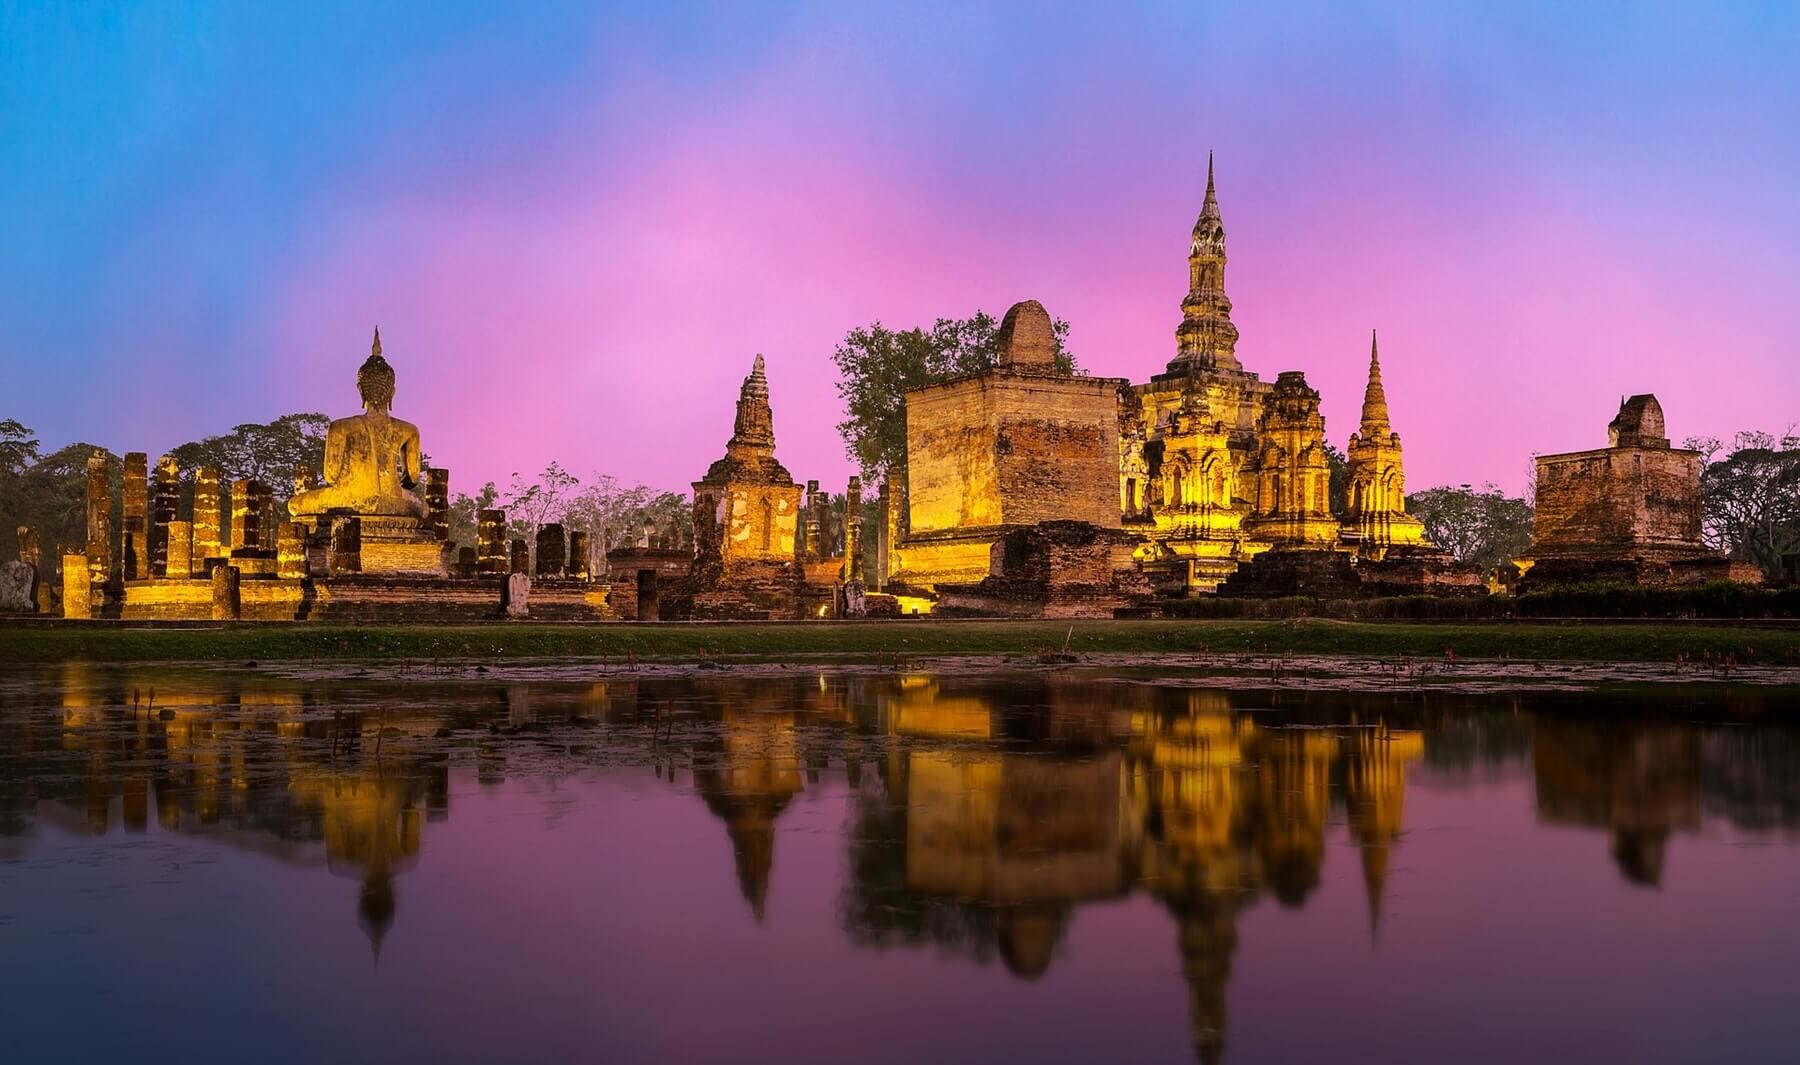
[{"x": 372, "y": 459}]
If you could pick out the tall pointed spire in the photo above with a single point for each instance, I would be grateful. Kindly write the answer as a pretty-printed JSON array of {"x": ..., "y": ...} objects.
[
  {"x": 1375, "y": 407},
  {"x": 1210, "y": 206},
  {"x": 375, "y": 348},
  {"x": 1206, "y": 338}
]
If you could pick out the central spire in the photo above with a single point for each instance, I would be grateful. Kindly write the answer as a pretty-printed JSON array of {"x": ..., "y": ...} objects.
[
  {"x": 754, "y": 428},
  {"x": 1375, "y": 407},
  {"x": 1206, "y": 339}
]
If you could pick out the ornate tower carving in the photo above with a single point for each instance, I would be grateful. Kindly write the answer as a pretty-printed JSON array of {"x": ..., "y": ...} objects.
[
  {"x": 1206, "y": 338},
  {"x": 1293, "y": 479},
  {"x": 1376, "y": 509}
]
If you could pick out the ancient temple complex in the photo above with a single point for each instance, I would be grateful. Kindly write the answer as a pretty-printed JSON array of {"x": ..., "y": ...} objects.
[
  {"x": 1188, "y": 477},
  {"x": 1028, "y": 491}
]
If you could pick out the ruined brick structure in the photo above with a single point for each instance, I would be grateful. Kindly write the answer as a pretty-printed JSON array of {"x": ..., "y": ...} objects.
[
  {"x": 1627, "y": 512},
  {"x": 746, "y": 519},
  {"x": 996, "y": 451}
]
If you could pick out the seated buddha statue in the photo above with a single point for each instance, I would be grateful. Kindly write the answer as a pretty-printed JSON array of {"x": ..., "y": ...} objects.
[{"x": 371, "y": 459}]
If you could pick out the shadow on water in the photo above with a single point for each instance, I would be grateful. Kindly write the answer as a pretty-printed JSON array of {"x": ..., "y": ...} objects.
[{"x": 981, "y": 812}]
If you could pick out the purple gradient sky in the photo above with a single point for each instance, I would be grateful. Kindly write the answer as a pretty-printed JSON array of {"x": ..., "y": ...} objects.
[{"x": 576, "y": 230}]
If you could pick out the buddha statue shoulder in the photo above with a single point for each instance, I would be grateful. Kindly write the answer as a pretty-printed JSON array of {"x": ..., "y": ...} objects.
[{"x": 371, "y": 459}]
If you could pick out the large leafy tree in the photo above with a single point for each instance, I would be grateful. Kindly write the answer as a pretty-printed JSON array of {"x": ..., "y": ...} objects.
[
  {"x": 1480, "y": 526},
  {"x": 271, "y": 453},
  {"x": 877, "y": 366},
  {"x": 45, "y": 492},
  {"x": 1750, "y": 497}
]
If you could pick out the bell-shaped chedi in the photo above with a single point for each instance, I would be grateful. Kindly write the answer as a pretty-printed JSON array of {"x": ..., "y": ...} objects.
[{"x": 746, "y": 515}]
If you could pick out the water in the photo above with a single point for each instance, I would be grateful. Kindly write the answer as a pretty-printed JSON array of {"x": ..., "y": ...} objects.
[{"x": 890, "y": 868}]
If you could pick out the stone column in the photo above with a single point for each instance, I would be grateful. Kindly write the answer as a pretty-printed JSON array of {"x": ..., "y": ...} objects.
[
  {"x": 252, "y": 517},
  {"x": 437, "y": 502},
  {"x": 265, "y": 514},
  {"x": 853, "y": 563},
  {"x": 99, "y": 519},
  {"x": 520, "y": 555},
  {"x": 134, "y": 542},
  {"x": 814, "y": 532},
  {"x": 226, "y": 604},
  {"x": 181, "y": 550},
  {"x": 579, "y": 566},
  {"x": 884, "y": 536},
  {"x": 243, "y": 517},
  {"x": 209, "y": 531},
  {"x": 490, "y": 542},
  {"x": 77, "y": 580},
  {"x": 551, "y": 550},
  {"x": 344, "y": 557},
  {"x": 290, "y": 551},
  {"x": 165, "y": 500},
  {"x": 467, "y": 563}
]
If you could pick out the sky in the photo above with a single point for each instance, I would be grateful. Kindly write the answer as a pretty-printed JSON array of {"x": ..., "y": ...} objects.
[{"x": 576, "y": 225}]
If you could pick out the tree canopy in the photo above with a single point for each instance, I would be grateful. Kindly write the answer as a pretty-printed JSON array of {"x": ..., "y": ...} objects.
[
  {"x": 877, "y": 366},
  {"x": 1480, "y": 526},
  {"x": 1750, "y": 497}
]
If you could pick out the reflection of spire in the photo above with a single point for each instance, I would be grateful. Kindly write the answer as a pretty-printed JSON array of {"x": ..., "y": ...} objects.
[
  {"x": 375, "y": 909},
  {"x": 1374, "y": 866}
]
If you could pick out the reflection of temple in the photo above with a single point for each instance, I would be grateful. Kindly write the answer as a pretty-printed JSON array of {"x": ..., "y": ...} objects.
[
  {"x": 1639, "y": 784},
  {"x": 985, "y": 811}
]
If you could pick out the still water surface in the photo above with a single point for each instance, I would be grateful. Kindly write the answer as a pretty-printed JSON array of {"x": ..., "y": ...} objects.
[{"x": 890, "y": 869}]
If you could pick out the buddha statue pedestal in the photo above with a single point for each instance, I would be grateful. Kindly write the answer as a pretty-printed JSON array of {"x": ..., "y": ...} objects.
[{"x": 400, "y": 547}]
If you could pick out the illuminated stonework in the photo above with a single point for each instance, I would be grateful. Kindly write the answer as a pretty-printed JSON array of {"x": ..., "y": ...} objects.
[
  {"x": 1015, "y": 446},
  {"x": 1375, "y": 514}
]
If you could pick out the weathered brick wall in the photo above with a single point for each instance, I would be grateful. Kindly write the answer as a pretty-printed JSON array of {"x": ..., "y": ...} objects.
[
  {"x": 1013, "y": 448},
  {"x": 1617, "y": 499}
]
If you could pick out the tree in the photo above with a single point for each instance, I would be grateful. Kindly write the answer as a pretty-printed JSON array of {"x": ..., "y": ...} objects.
[
  {"x": 878, "y": 366},
  {"x": 532, "y": 503},
  {"x": 605, "y": 507},
  {"x": 270, "y": 453},
  {"x": 1483, "y": 527},
  {"x": 18, "y": 448},
  {"x": 464, "y": 516},
  {"x": 1750, "y": 498},
  {"x": 1338, "y": 487}
]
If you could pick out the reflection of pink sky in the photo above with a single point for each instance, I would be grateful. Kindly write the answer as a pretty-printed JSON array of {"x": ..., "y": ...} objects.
[{"x": 600, "y": 917}]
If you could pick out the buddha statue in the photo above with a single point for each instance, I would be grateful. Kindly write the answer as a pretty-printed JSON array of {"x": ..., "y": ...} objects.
[{"x": 371, "y": 459}]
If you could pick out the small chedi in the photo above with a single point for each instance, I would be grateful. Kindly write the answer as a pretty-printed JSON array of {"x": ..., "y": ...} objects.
[
  {"x": 764, "y": 547},
  {"x": 1627, "y": 512}
]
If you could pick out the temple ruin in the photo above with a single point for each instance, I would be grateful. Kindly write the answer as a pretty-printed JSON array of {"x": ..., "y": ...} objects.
[{"x": 1627, "y": 512}]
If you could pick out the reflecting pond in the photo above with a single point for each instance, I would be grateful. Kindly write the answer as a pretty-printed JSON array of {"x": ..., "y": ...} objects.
[{"x": 1069, "y": 866}]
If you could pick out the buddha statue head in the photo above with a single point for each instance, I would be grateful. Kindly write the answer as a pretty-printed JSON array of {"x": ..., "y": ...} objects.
[{"x": 375, "y": 380}]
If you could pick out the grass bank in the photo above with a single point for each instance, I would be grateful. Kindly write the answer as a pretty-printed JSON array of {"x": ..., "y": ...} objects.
[{"x": 1633, "y": 642}]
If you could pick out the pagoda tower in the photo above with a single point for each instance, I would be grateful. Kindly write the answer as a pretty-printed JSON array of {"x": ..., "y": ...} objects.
[
  {"x": 1376, "y": 508},
  {"x": 1206, "y": 338}
]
